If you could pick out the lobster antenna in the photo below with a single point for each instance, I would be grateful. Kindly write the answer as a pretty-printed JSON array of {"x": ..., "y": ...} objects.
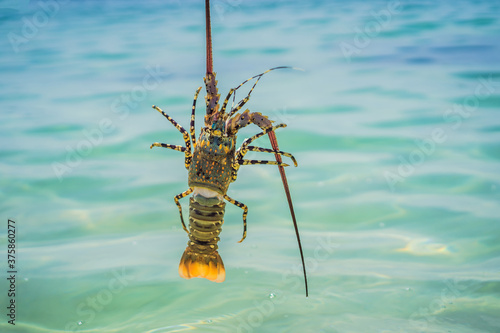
[
  {"x": 208, "y": 30},
  {"x": 274, "y": 143}
]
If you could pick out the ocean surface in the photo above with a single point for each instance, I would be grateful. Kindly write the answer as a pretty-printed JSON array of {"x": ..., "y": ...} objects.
[{"x": 394, "y": 119}]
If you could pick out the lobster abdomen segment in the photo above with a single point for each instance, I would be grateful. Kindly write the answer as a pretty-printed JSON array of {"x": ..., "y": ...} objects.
[{"x": 201, "y": 259}]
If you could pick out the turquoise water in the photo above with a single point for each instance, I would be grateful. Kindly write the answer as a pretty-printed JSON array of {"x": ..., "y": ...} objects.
[{"x": 394, "y": 122}]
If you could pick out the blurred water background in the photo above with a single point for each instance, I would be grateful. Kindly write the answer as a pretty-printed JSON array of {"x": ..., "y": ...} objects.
[{"x": 394, "y": 122}]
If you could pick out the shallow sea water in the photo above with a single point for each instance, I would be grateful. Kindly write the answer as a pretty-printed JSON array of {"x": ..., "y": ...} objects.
[{"x": 394, "y": 121}]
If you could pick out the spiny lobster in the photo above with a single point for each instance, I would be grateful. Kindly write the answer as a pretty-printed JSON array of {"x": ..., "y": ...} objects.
[{"x": 214, "y": 164}]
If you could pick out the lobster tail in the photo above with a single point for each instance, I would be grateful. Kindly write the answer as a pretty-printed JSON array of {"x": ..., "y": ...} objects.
[
  {"x": 201, "y": 259},
  {"x": 208, "y": 266}
]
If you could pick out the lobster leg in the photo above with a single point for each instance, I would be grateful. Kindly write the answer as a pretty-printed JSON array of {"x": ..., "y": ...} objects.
[
  {"x": 265, "y": 150},
  {"x": 167, "y": 145},
  {"x": 176, "y": 199},
  {"x": 191, "y": 127},
  {"x": 244, "y": 145},
  {"x": 252, "y": 162},
  {"x": 245, "y": 212},
  {"x": 243, "y": 148},
  {"x": 185, "y": 135},
  {"x": 243, "y": 152}
]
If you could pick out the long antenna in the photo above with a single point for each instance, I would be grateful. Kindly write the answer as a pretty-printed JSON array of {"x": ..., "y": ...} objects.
[
  {"x": 274, "y": 144},
  {"x": 208, "y": 30}
]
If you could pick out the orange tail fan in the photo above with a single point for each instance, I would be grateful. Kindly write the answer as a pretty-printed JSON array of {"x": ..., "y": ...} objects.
[{"x": 207, "y": 266}]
